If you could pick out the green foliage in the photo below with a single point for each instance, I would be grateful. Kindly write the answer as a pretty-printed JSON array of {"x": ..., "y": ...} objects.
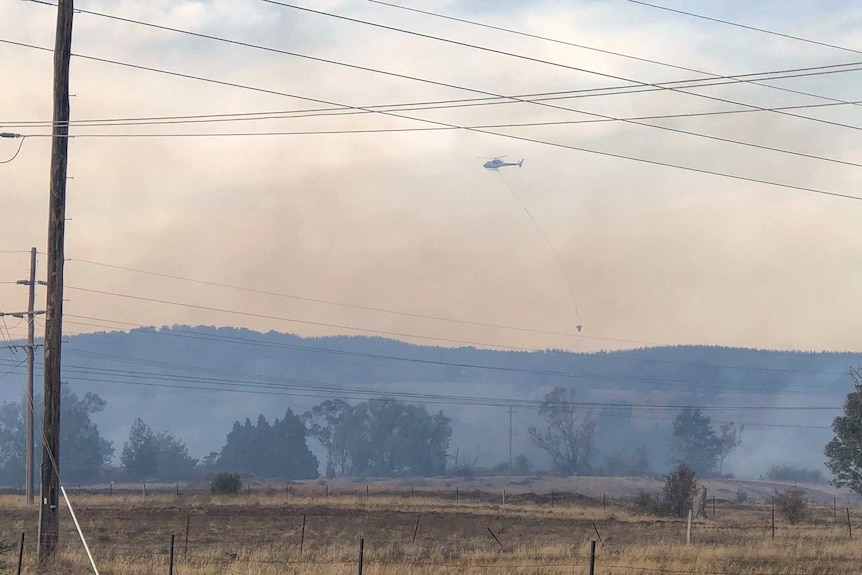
[
  {"x": 696, "y": 444},
  {"x": 226, "y": 484},
  {"x": 278, "y": 450},
  {"x": 741, "y": 495},
  {"x": 567, "y": 434},
  {"x": 156, "y": 455},
  {"x": 84, "y": 451},
  {"x": 844, "y": 452},
  {"x": 5, "y": 547},
  {"x": 329, "y": 423},
  {"x": 381, "y": 438},
  {"x": 521, "y": 465},
  {"x": 140, "y": 451},
  {"x": 679, "y": 490},
  {"x": 648, "y": 504},
  {"x": 792, "y": 504},
  {"x": 796, "y": 474},
  {"x": 172, "y": 458}
]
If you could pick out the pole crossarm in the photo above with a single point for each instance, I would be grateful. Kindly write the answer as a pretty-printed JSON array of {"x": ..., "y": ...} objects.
[{"x": 22, "y": 314}]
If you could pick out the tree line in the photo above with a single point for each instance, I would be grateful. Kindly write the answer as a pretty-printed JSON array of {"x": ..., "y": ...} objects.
[
  {"x": 372, "y": 438},
  {"x": 386, "y": 438},
  {"x": 568, "y": 434}
]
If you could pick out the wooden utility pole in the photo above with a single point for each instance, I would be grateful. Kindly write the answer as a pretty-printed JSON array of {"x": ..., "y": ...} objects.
[
  {"x": 49, "y": 510},
  {"x": 30, "y": 316},
  {"x": 28, "y": 396},
  {"x": 510, "y": 441}
]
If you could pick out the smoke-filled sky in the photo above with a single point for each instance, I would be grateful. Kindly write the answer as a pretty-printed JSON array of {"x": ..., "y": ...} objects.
[{"x": 410, "y": 221}]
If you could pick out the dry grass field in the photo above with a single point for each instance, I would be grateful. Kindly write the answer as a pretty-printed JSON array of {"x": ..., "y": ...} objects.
[{"x": 261, "y": 534}]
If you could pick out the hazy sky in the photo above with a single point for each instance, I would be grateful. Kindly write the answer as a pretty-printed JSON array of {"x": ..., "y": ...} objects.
[{"x": 411, "y": 221}]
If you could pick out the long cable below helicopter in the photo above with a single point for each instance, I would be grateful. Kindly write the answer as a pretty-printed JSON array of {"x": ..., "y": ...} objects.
[{"x": 550, "y": 245}]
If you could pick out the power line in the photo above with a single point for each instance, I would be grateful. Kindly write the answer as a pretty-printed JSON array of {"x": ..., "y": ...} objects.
[
  {"x": 694, "y": 386},
  {"x": 18, "y": 151},
  {"x": 484, "y": 92},
  {"x": 305, "y": 385},
  {"x": 258, "y": 343},
  {"x": 504, "y": 53},
  {"x": 431, "y": 317},
  {"x": 591, "y": 48},
  {"x": 360, "y": 307},
  {"x": 435, "y": 129},
  {"x": 474, "y": 102},
  {"x": 294, "y": 320},
  {"x": 691, "y": 169},
  {"x": 428, "y": 129},
  {"x": 14, "y": 369},
  {"x": 738, "y": 25}
]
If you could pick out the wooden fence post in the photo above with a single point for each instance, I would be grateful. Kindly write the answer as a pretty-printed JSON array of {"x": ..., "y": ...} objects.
[
  {"x": 361, "y": 554},
  {"x": 495, "y": 538},
  {"x": 592, "y": 557},
  {"x": 773, "y": 517},
  {"x": 21, "y": 553},
  {"x": 688, "y": 530},
  {"x": 416, "y": 530},
  {"x": 849, "y": 527},
  {"x": 186, "y": 542},
  {"x": 302, "y": 536},
  {"x": 171, "y": 564}
]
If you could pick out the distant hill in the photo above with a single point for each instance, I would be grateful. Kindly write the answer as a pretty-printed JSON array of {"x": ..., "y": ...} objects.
[{"x": 195, "y": 381}]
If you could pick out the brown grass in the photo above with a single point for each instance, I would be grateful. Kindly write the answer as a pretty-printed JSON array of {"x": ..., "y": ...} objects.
[{"x": 259, "y": 534}]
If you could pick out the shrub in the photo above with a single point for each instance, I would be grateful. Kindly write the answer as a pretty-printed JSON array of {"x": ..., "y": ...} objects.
[
  {"x": 792, "y": 504},
  {"x": 679, "y": 490},
  {"x": 741, "y": 495},
  {"x": 795, "y": 474},
  {"x": 647, "y": 504},
  {"x": 226, "y": 483}
]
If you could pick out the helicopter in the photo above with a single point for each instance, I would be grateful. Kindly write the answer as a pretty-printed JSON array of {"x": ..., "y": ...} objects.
[{"x": 496, "y": 163}]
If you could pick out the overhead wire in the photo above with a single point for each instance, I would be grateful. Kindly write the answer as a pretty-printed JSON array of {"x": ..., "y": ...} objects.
[
  {"x": 505, "y": 53},
  {"x": 602, "y": 354},
  {"x": 179, "y": 332},
  {"x": 18, "y": 151},
  {"x": 646, "y": 161},
  {"x": 765, "y": 388},
  {"x": 745, "y": 26},
  {"x": 593, "y": 48},
  {"x": 427, "y": 129},
  {"x": 458, "y": 87},
  {"x": 249, "y": 390},
  {"x": 241, "y": 380},
  {"x": 456, "y": 103},
  {"x": 363, "y": 307},
  {"x": 14, "y": 368}
]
